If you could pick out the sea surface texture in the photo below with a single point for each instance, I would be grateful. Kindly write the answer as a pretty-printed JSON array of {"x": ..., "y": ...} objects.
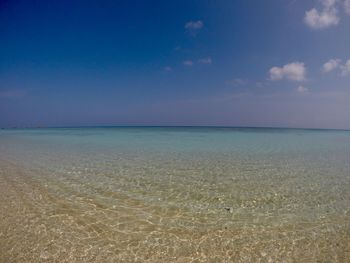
[{"x": 156, "y": 194}]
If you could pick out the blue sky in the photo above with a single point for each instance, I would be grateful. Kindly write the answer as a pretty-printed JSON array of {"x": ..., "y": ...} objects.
[{"x": 232, "y": 63}]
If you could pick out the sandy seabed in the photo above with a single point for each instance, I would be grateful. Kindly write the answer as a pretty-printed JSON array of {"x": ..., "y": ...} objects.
[{"x": 43, "y": 220}]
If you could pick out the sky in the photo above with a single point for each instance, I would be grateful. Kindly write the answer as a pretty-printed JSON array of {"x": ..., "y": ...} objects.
[{"x": 268, "y": 63}]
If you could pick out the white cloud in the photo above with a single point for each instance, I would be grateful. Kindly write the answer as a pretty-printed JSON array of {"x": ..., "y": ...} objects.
[
  {"x": 194, "y": 26},
  {"x": 236, "y": 82},
  {"x": 328, "y": 3},
  {"x": 334, "y": 64},
  {"x": 188, "y": 63},
  {"x": 168, "y": 69},
  {"x": 302, "y": 89},
  {"x": 345, "y": 69},
  {"x": 293, "y": 71},
  {"x": 347, "y": 6},
  {"x": 331, "y": 65},
  {"x": 205, "y": 60},
  {"x": 322, "y": 19}
]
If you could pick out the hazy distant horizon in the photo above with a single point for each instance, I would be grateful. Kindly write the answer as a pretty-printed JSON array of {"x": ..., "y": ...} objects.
[{"x": 170, "y": 126}]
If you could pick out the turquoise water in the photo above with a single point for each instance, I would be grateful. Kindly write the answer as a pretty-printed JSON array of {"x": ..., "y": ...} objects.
[{"x": 175, "y": 194}]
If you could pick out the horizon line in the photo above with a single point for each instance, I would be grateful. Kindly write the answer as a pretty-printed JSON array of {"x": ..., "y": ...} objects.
[{"x": 169, "y": 126}]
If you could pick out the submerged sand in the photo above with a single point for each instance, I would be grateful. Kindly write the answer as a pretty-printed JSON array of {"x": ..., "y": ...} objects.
[{"x": 48, "y": 220}]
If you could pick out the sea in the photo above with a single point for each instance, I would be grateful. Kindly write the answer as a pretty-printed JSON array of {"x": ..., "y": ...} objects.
[{"x": 174, "y": 194}]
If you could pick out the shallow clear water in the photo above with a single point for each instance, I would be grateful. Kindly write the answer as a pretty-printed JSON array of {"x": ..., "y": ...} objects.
[{"x": 174, "y": 195}]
